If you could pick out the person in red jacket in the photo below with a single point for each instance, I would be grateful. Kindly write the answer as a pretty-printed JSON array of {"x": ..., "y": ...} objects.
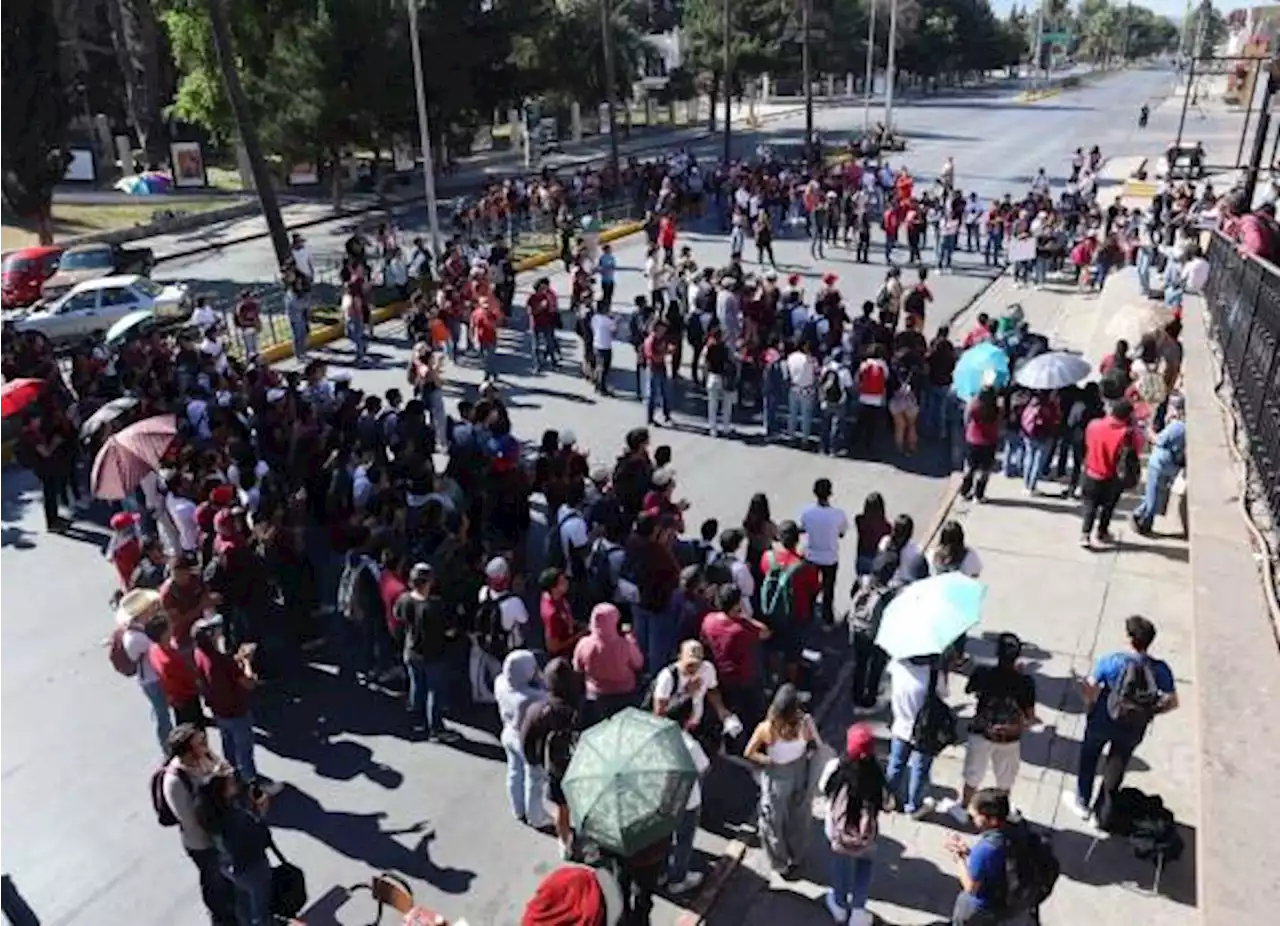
[
  {"x": 667, "y": 239},
  {"x": 890, "y": 221},
  {"x": 1101, "y": 489}
]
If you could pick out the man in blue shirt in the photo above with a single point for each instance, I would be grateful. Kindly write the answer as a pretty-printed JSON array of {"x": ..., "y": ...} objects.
[
  {"x": 1125, "y": 691},
  {"x": 981, "y": 867},
  {"x": 607, "y": 267}
]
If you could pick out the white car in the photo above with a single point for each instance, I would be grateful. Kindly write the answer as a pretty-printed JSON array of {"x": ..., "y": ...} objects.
[{"x": 93, "y": 306}]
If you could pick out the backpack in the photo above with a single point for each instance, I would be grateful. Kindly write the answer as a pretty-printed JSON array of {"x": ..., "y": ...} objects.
[
  {"x": 554, "y": 556},
  {"x": 1030, "y": 868},
  {"x": 935, "y": 726},
  {"x": 1132, "y": 702},
  {"x": 492, "y": 637},
  {"x": 777, "y": 593},
  {"x": 164, "y": 813},
  {"x": 351, "y": 570},
  {"x": 1128, "y": 463},
  {"x": 718, "y": 571},
  {"x": 850, "y": 838},
  {"x": 914, "y": 302},
  {"x": 832, "y": 390},
  {"x": 882, "y": 296},
  {"x": 694, "y": 330},
  {"x": 120, "y": 660},
  {"x": 646, "y": 703},
  {"x": 1035, "y": 423},
  {"x": 729, "y": 378},
  {"x": 871, "y": 379},
  {"x": 600, "y": 584}
]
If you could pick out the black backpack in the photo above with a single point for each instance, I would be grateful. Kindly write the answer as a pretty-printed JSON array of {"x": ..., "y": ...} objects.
[
  {"x": 600, "y": 584},
  {"x": 1132, "y": 702},
  {"x": 1030, "y": 868},
  {"x": 1128, "y": 463},
  {"x": 935, "y": 726},
  {"x": 646, "y": 703},
  {"x": 164, "y": 813},
  {"x": 833, "y": 391},
  {"x": 718, "y": 570},
  {"x": 490, "y": 634}
]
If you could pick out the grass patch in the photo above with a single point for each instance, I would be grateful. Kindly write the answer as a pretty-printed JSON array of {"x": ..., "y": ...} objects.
[{"x": 72, "y": 219}]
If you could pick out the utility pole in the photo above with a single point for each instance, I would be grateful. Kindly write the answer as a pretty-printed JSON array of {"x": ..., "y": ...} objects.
[
  {"x": 1037, "y": 44},
  {"x": 247, "y": 131},
  {"x": 728, "y": 93},
  {"x": 424, "y": 135},
  {"x": 890, "y": 66},
  {"x": 871, "y": 73},
  {"x": 1260, "y": 139},
  {"x": 1124, "y": 36},
  {"x": 606, "y": 32},
  {"x": 805, "y": 10}
]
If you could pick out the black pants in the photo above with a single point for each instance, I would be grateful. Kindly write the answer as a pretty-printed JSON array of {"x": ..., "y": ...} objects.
[
  {"x": 1071, "y": 451},
  {"x": 215, "y": 888},
  {"x": 52, "y": 486},
  {"x": 979, "y": 459},
  {"x": 763, "y": 248},
  {"x": 869, "y": 661},
  {"x": 189, "y": 712},
  {"x": 828, "y": 576},
  {"x": 606, "y": 293},
  {"x": 604, "y": 363},
  {"x": 1100, "y": 499},
  {"x": 863, "y": 253}
]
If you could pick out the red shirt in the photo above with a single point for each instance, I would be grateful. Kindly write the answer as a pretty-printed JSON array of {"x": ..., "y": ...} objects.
[
  {"x": 223, "y": 690},
  {"x": 557, "y": 625},
  {"x": 126, "y": 558},
  {"x": 247, "y": 314},
  {"x": 980, "y": 433},
  {"x": 486, "y": 331},
  {"x": 657, "y": 503},
  {"x": 804, "y": 584},
  {"x": 666, "y": 231},
  {"x": 1103, "y": 438},
  {"x": 177, "y": 681},
  {"x": 540, "y": 308},
  {"x": 979, "y": 334},
  {"x": 731, "y": 643},
  {"x": 391, "y": 587}
]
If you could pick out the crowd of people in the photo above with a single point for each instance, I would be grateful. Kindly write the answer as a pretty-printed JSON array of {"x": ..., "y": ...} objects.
[{"x": 294, "y": 511}]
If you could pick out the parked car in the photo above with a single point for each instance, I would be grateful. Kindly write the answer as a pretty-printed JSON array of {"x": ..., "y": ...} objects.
[
  {"x": 93, "y": 307},
  {"x": 92, "y": 261},
  {"x": 23, "y": 273}
]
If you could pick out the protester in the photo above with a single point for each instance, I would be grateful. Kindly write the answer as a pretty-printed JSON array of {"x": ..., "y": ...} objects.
[
  {"x": 780, "y": 745},
  {"x": 855, "y": 790},
  {"x": 608, "y": 659}
]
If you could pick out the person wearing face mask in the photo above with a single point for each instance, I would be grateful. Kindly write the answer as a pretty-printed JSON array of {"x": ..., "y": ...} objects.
[{"x": 517, "y": 690}]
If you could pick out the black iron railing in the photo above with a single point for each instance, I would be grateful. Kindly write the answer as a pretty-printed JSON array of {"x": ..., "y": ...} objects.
[{"x": 1243, "y": 295}]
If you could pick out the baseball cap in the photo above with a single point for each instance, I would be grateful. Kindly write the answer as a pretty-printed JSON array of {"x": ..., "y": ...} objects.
[
  {"x": 664, "y": 477},
  {"x": 420, "y": 573}
]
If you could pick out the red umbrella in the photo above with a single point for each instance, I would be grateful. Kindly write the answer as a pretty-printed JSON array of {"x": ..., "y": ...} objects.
[
  {"x": 126, "y": 457},
  {"x": 17, "y": 394}
]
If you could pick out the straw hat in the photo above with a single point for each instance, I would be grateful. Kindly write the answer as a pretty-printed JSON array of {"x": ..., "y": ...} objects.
[{"x": 137, "y": 606}]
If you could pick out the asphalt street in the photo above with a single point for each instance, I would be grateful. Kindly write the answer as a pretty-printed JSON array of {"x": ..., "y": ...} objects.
[{"x": 79, "y": 837}]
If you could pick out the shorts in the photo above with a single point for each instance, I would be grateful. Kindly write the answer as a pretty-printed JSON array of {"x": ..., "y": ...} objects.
[{"x": 1004, "y": 759}]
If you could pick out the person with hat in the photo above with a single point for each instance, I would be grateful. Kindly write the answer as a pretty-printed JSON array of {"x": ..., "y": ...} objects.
[
  {"x": 429, "y": 629},
  {"x": 498, "y": 603},
  {"x": 124, "y": 549},
  {"x": 133, "y": 611},
  {"x": 1006, "y": 708},
  {"x": 854, "y": 788},
  {"x": 576, "y": 895}
]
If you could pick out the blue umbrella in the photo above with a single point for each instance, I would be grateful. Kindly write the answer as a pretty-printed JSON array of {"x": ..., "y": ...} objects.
[
  {"x": 929, "y": 615},
  {"x": 983, "y": 364}
]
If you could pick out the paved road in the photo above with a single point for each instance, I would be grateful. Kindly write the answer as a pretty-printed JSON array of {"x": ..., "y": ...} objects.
[{"x": 79, "y": 837}]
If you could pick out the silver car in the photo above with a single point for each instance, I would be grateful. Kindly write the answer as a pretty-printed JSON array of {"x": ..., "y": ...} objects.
[{"x": 94, "y": 306}]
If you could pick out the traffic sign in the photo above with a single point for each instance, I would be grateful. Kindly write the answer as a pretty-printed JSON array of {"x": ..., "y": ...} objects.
[{"x": 1056, "y": 38}]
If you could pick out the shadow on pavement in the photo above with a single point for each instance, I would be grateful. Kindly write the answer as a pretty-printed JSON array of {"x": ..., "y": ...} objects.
[{"x": 1113, "y": 863}]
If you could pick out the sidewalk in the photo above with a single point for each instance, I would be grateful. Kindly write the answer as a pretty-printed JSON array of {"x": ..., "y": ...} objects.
[{"x": 1068, "y": 605}]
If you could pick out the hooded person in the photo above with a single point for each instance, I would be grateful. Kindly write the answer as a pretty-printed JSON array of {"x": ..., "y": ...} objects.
[
  {"x": 517, "y": 689},
  {"x": 575, "y": 895},
  {"x": 124, "y": 549},
  {"x": 608, "y": 660},
  {"x": 549, "y": 734}
]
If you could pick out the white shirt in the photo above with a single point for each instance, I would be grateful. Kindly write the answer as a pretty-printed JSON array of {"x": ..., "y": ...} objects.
[
  {"x": 906, "y": 696},
  {"x": 302, "y": 260},
  {"x": 573, "y": 532},
  {"x": 603, "y": 328},
  {"x": 908, "y": 560},
  {"x": 740, "y": 572},
  {"x": 512, "y": 612},
  {"x": 151, "y": 493},
  {"x": 801, "y": 370},
  {"x": 823, "y": 526},
  {"x": 1195, "y": 274},
  {"x": 183, "y": 512},
  {"x": 700, "y": 763},
  {"x": 970, "y": 566},
  {"x": 654, "y": 272},
  {"x": 203, "y": 317},
  {"x": 198, "y": 415},
  {"x": 136, "y": 644},
  {"x": 361, "y": 488},
  {"x": 664, "y": 688}
]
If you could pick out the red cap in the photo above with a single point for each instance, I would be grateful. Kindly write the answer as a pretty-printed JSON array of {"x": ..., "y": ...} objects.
[
  {"x": 569, "y": 896},
  {"x": 794, "y": 279},
  {"x": 829, "y": 278},
  {"x": 123, "y": 520},
  {"x": 223, "y": 495},
  {"x": 859, "y": 741}
]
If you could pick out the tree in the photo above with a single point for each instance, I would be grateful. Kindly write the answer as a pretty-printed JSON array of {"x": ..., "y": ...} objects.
[
  {"x": 135, "y": 35},
  {"x": 562, "y": 56},
  {"x": 36, "y": 112},
  {"x": 1206, "y": 29}
]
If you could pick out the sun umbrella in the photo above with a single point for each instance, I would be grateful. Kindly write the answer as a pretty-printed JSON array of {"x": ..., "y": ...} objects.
[
  {"x": 929, "y": 615},
  {"x": 1134, "y": 320},
  {"x": 128, "y": 324},
  {"x": 105, "y": 415},
  {"x": 629, "y": 781},
  {"x": 983, "y": 364},
  {"x": 156, "y": 181},
  {"x": 125, "y": 458},
  {"x": 134, "y": 186},
  {"x": 1054, "y": 370},
  {"x": 17, "y": 394}
]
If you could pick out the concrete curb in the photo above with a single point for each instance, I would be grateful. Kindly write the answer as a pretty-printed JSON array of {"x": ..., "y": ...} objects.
[
  {"x": 184, "y": 223},
  {"x": 1034, "y": 96}
]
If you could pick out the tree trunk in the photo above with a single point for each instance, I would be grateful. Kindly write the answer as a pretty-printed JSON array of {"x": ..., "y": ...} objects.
[
  {"x": 44, "y": 222},
  {"x": 335, "y": 178},
  {"x": 715, "y": 96},
  {"x": 134, "y": 34}
]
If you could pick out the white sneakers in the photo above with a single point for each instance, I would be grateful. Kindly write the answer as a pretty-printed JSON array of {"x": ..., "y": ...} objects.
[
  {"x": 959, "y": 814},
  {"x": 838, "y": 913},
  {"x": 861, "y": 918},
  {"x": 927, "y": 806},
  {"x": 1072, "y": 802},
  {"x": 688, "y": 883}
]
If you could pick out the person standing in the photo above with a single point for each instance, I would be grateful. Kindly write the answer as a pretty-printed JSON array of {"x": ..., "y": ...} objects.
[
  {"x": 428, "y": 633},
  {"x": 780, "y": 746},
  {"x": 871, "y": 596},
  {"x": 655, "y": 351},
  {"x": 824, "y": 526},
  {"x": 133, "y": 612},
  {"x": 722, "y": 381},
  {"x": 981, "y": 438},
  {"x": 1168, "y": 455},
  {"x": 802, "y": 380},
  {"x": 603, "y": 328},
  {"x": 607, "y": 267},
  {"x": 1102, "y": 487},
  {"x": 248, "y": 319},
  {"x": 854, "y": 788},
  {"x": 517, "y": 690},
  {"x": 609, "y": 661},
  {"x": 910, "y": 681}
]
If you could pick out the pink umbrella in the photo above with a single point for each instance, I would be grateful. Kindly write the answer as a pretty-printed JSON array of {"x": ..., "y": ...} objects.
[{"x": 127, "y": 456}]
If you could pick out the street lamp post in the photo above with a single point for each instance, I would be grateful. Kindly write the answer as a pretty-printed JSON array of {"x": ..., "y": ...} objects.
[
  {"x": 807, "y": 71},
  {"x": 890, "y": 66},
  {"x": 871, "y": 73},
  {"x": 424, "y": 132}
]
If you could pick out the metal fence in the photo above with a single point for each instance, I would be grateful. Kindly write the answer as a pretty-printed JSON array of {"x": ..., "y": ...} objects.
[{"x": 1243, "y": 295}]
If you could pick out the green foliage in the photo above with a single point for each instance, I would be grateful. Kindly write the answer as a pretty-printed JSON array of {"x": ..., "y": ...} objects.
[
  {"x": 1206, "y": 30},
  {"x": 36, "y": 111},
  {"x": 560, "y": 54}
]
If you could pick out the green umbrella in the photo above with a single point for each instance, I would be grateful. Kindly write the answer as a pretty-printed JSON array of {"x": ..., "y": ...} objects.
[
  {"x": 125, "y": 326},
  {"x": 629, "y": 781}
]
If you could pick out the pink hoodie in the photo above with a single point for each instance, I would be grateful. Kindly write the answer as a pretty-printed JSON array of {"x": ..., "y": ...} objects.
[{"x": 607, "y": 659}]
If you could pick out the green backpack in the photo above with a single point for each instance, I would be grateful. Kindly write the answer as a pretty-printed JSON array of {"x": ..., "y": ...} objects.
[{"x": 777, "y": 591}]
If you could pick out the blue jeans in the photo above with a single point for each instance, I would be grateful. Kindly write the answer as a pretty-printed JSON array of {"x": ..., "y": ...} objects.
[
  {"x": 253, "y": 894},
  {"x": 933, "y": 411},
  {"x": 659, "y": 391},
  {"x": 299, "y": 329},
  {"x": 489, "y": 360},
  {"x": 1161, "y": 468},
  {"x": 1144, "y": 270},
  {"x": 905, "y": 757},
  {"x": 355, "y": 333},
  {"x": 161, "y": 716},
  {"x": 800, "y": 405},
  {"x": 851, "y": 880},
  {"x": 526, "y": 784},
  {"x": 1040, "y": 270},
  {"x": 1013, "y": 461},
  {"x": 237, "y": 744},
  {"x": 946, "y": 250},
  {"x": 428, "y": 691},
  {"x": 991, "y": 251},
  {"x": 1097, "y": 737},
  {"x": 655, "y": 633},
  {"x": 682, "y": 846},
  {"x": 1035, "y": 459}
]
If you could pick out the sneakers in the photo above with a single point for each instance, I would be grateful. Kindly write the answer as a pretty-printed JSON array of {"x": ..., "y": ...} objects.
[
  {"x": 689, "y": 882},
  {"x": 838, "y": 913},
  {"x": 859, "y": 917},
  {"x": 958, "y": 813},
  {"x": 1072, "y": 802},
  {"x": 927, "y": 806},
  {"x": 268, "y": 786}
]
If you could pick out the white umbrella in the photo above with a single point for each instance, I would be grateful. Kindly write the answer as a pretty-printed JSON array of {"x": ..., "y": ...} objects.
[
  {"x": 1053, "y": 370},
  {"x": 1134, "y": 320}
]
